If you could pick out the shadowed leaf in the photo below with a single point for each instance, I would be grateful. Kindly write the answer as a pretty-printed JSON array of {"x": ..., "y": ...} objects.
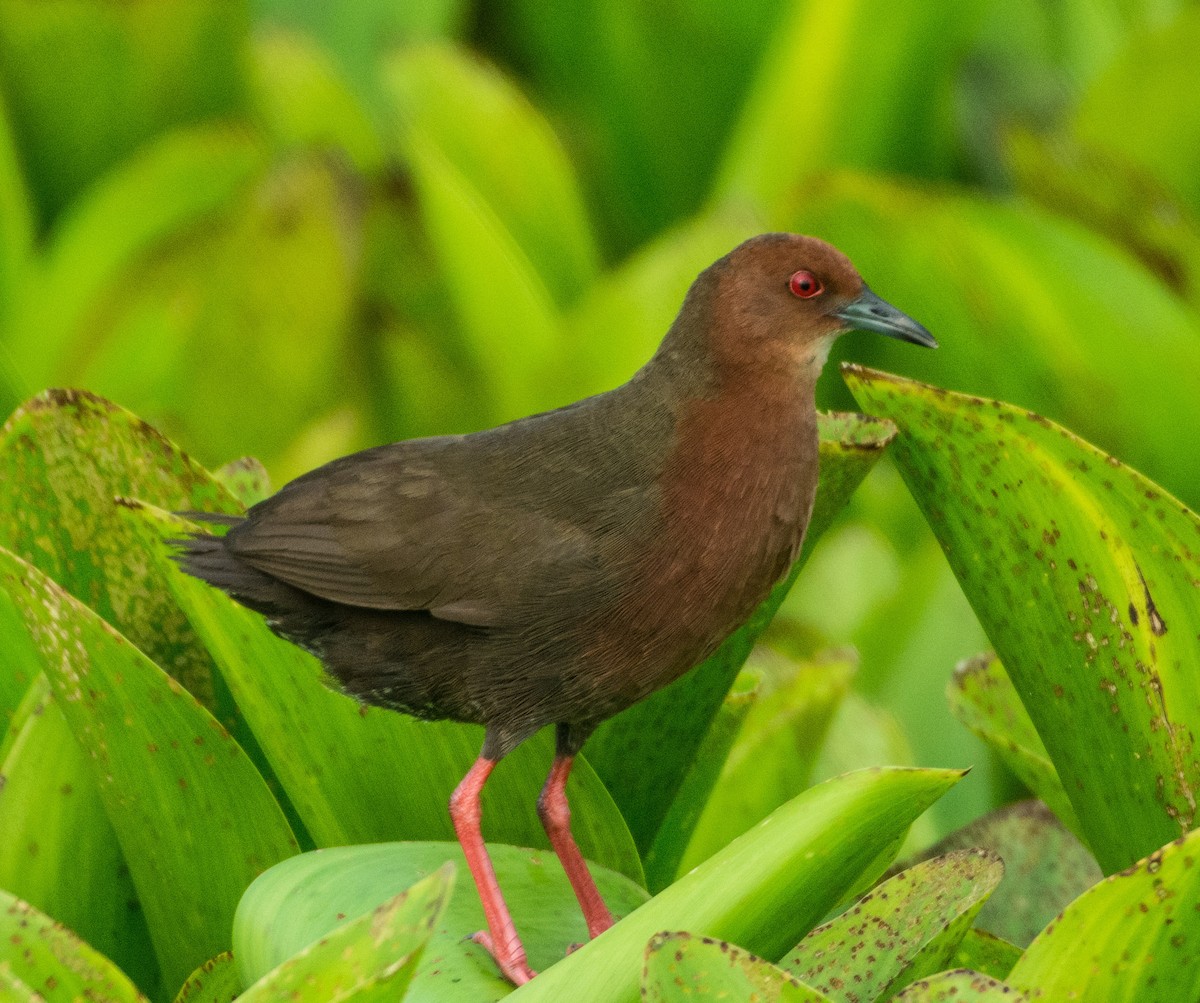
[{"x": 959, "y": 986}]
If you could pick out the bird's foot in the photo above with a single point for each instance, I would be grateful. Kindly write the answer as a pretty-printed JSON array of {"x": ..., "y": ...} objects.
[{"x": 511, "y": 960}]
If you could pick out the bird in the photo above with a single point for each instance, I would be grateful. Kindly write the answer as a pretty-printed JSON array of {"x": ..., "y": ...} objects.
[{"x": 561, "y": 567}]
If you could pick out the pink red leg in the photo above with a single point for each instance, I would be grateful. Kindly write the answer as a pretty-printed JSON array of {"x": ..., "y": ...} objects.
[
  {"x": 501, "y": 938},
  {"x": 555, "y": 813}
]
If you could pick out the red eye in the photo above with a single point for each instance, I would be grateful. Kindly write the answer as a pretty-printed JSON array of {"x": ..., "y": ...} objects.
[{"x": 805, "y": 285}]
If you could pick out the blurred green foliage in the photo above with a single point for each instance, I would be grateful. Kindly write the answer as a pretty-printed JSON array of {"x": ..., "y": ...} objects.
[{"x": 291, "y": 229}]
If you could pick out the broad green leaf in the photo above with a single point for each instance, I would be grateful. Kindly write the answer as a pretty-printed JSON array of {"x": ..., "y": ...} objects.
[
  {"x": 372, "y": 957},
  {"x": 1045, "y": 867},
  {"x": 1122, "y": 200},
  {"x": 1156, "y": 70},
  {"x": 306, "y": 897},
  {"x": 64, "y": 457},
  {"x": 339, "y": 760},
  {"x": 215, "y": 981},
  {"x": 816, "y": 103},
  {"x": 13, "y": 990},
  {"x": 1085, "y": 575},
  {"x": 986, "y": 953},
  {"x": 774, "y": 759},
  {"x": 1133, "y": 938},
  {"x": 509, "y": 324},
  {"x": 20, "y": 666},
  {"x": 173, "y": 185},
  {"x": 354, "y": 34},
  {"x": 681, "y": 966},
  {"x": 484, "y": 130},
  {"x": 767, "y": 888},
  {"x": 1003, "y": 280},
  {"x": 42, "y": 955},
  {"x": 984, "y": 699},
  {"x": 237, "y": 325},
  {"x": 59, "y": 852},
  {"x": 195, "y": 820},
  {"x": 696, "y": 790},
  {"x": 91, "y": 81},
  {"x": 16, "y": 227},
  {"x": 959, "y": 986},
  {"x": 904, "y": 929},
  {"x": 643, "y": 753},
  {"x": 647, "y": 91},
  {"x": 303, "y": 100}
]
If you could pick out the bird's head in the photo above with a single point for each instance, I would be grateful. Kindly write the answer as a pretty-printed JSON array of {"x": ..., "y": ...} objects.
[{"x": 786, "y": 297}]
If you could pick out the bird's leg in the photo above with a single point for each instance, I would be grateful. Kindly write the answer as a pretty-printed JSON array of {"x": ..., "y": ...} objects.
[
  {"x": 555, "y": 813},
  {"x": 500, "y": 940}
]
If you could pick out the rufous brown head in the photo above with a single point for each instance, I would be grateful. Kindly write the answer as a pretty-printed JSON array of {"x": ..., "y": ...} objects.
[{"x": 788, "y": 296}]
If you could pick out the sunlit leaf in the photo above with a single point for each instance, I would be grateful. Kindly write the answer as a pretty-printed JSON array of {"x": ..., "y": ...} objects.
[
  {"x": 816, "y": 103},
  {"x": 304, "y": 899},
  {"x": 1085, "y": 575},
  {"x": 372, "y": 957},
  {"x": 215, "y": 981},
  {"x": 195, "y": 820},
  {"x": 959, "y": 986},
  {"x": 986, "y": 953},
  {"x": 87, "y": 81},
  {"x": 486, "y": 132},
  {"x": 905, "y": 928},
  {"x": 38, "y": 953},
  {"x": 774, "y": 760},
  {"x": 765, "y": 889},
  {"x": 681, "y": 966},
  {"x": 60, "y": 852},
  {"x": 1133, "y": 938}
]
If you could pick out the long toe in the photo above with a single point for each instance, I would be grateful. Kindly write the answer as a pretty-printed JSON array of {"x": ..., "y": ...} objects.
[{"x": 512, "y": 963}]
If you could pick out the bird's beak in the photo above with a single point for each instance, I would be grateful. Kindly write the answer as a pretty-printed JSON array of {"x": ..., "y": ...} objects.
[{"x": 870, "y": 313}]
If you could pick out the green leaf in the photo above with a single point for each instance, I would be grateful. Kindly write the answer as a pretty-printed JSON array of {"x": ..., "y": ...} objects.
[
  {"x": 215, "y": 981},
  {"x": 59, "y": 852},
  {"x": 643, "y": 753},
  {"x": 1154, "y": 71},
  {"x": 816, "y": 103},
  {"x": 306, "y": 897},
  {"x": 767, "y": 888},
  {"x": 510, "y": 324},
  {"x": 171, "y": 186},
  {"x": 697, "y": 788},
  {"x": 1085, "y": 576},
  {"x": 485, "y": 131},
  {"x": 1133, "y": 938},
  {"x": 13, "y": 990},
  {"x": 984, "y": 699},
  {"x": 16, "y": 227},
  {"x": 38, "y": 953},
  {"x": 904, "y": 929},
  {"x": 64, "y": 457},
  {"x": 774, "y": 759},
  {"x": 959, "y": 986},
  {"x": 1002, "y": 279},
  {"x": 649, "y": 92},
  {"x": 303, "y": 100},
  {"x": 86, "y": 82},
  {"x": 195, "y": 820},
  {"x": 1045, "y": 867},
  {"x": 372, "y": 957},
  {"x": 680, "y": 966},
  {"x": 986, "y": 953},
  {"x": 338, "y": 760},
  {"x": 246, "y": 479}
]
